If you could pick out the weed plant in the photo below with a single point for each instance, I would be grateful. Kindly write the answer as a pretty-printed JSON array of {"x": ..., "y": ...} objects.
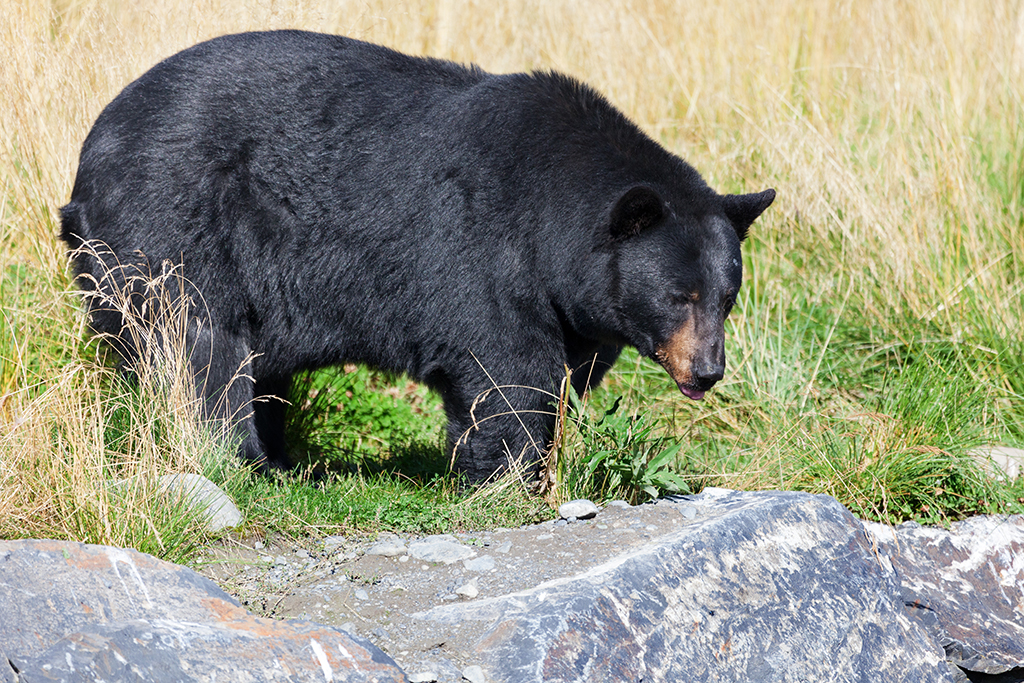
[{"x": 876, "y": 342}]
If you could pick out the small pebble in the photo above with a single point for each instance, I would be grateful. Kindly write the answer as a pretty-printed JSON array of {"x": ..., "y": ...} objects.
[
  {"x": 479, "y": 564},
  {"x": 423, "y": 677},
  {"x": 689, "y": 512},
  {"x": 361, "y": 594},
  {"x": 258, "y": 545},
  {"x": 619, "y": 504},
  {"x": 468, "y": 590},
  {"x": 332, "y": 543},
  {"x": 544, "y": 537},
  {"x": 440, "y": 548},
  {"x": 301, "y": 552},
  {"x": 504, "y": 547},
  {"x": 474, "y": 674},
  {"x": 563, "y": 522},
  {"x": 388, "y": 547},
  {"x": 580, "y": 509}
]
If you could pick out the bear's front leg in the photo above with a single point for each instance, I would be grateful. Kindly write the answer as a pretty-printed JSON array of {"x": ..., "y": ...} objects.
[{"x": 493, "y": 427}]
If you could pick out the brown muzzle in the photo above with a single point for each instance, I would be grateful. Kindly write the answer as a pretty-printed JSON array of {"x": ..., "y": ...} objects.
[{"x": 694, "y": 358}]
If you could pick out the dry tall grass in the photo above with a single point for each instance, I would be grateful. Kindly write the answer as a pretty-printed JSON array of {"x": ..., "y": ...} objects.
[
  {"x": 892, "y": 131},
  {"x": 877, "y": 121}
]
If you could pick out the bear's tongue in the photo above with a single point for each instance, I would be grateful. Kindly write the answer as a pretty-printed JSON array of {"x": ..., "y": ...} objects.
[{"x": 690, "y": 392}]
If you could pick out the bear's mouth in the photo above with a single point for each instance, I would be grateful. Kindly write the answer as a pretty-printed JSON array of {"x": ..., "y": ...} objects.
[{"x": 690, "y": 391}]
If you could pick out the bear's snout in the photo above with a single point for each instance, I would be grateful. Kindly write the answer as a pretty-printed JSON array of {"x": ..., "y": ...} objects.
[{"x": 693, "y": 361}]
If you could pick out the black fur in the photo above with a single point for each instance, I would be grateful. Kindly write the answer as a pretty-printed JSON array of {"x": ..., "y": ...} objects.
[{"x": 333, "y": 201}]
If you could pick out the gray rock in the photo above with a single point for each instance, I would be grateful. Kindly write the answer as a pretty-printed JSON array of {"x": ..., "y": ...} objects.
[
  {"x": 580, "y": 509},
  {"x": 70, "y": 611},
  {"x": 713, "y": 492},
  {"x": 205, "y": 497},
  {"x": 468, "y": 590},
  {"x": 1000, "y": 460},
  {"x": 734, "y": 586},
  {"x": 441, "y": 548},
  {"x": 423, "y": 677},
  {"x": 474, "y": 674},
  {"x": 619, "y": 504},
  {"x": 479, "y": 564},
  {"x": 52, "y": 588},
  {"x": 965, "y": 586},
  {"x": 391, "y": 546},
  {"x": 761, "y": 587},
  {"x": 688, "y": 512},
  {"x": 7, "y": 674},
  {"x": 164, "y": 650},
  {"x": 333, "y": 543}
]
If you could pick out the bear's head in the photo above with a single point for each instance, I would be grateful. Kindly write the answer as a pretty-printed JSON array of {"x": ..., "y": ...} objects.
[{"x": 679, "y": 270}]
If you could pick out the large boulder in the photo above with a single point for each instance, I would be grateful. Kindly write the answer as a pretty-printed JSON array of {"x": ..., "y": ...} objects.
[
  {"x": 965, "y": 586},
  {"x": 725, "y": 586},
  {"x": 76, "y": 612},
  {"x": 755, "y": 587}
]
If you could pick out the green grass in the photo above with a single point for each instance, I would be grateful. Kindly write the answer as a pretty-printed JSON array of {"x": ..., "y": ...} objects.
[
  {"x": 879, "y": 336},
  {"x": 349, "y": 415},
  {"x": 361, "y": 503}
]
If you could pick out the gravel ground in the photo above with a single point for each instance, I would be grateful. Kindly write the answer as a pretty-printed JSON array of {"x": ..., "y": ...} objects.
[{"x": 373, "y": 586}]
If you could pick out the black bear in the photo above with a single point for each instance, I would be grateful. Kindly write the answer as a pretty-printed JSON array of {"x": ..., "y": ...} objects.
[{"x": 331, "y": 201}]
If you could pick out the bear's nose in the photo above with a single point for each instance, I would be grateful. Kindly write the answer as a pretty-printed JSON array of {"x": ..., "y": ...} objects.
[{"x": 706, "y": 374}]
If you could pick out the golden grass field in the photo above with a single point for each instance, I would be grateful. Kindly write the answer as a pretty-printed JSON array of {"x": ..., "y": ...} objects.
[
  {"x": 893, "y": 133},
  {"x": 868, "y": 117}
]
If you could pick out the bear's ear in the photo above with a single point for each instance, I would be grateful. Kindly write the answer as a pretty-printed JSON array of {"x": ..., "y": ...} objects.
[
  {"x": 743, "y": 209},
  {"x": 637, "y": 210}
]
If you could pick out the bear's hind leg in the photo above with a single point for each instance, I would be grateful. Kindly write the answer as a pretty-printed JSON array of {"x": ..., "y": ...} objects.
[
  {"x": 222, "y": 367},
  {"x": 269, "y": 414}
]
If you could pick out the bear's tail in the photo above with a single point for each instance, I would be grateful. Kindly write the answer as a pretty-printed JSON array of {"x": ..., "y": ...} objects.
[
  {"x": 74, "y": 228},
  {"x": 82, "y": 247}
]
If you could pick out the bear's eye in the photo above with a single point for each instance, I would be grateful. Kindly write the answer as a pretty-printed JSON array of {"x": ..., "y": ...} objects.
[{"x": 685, "y": 298}]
